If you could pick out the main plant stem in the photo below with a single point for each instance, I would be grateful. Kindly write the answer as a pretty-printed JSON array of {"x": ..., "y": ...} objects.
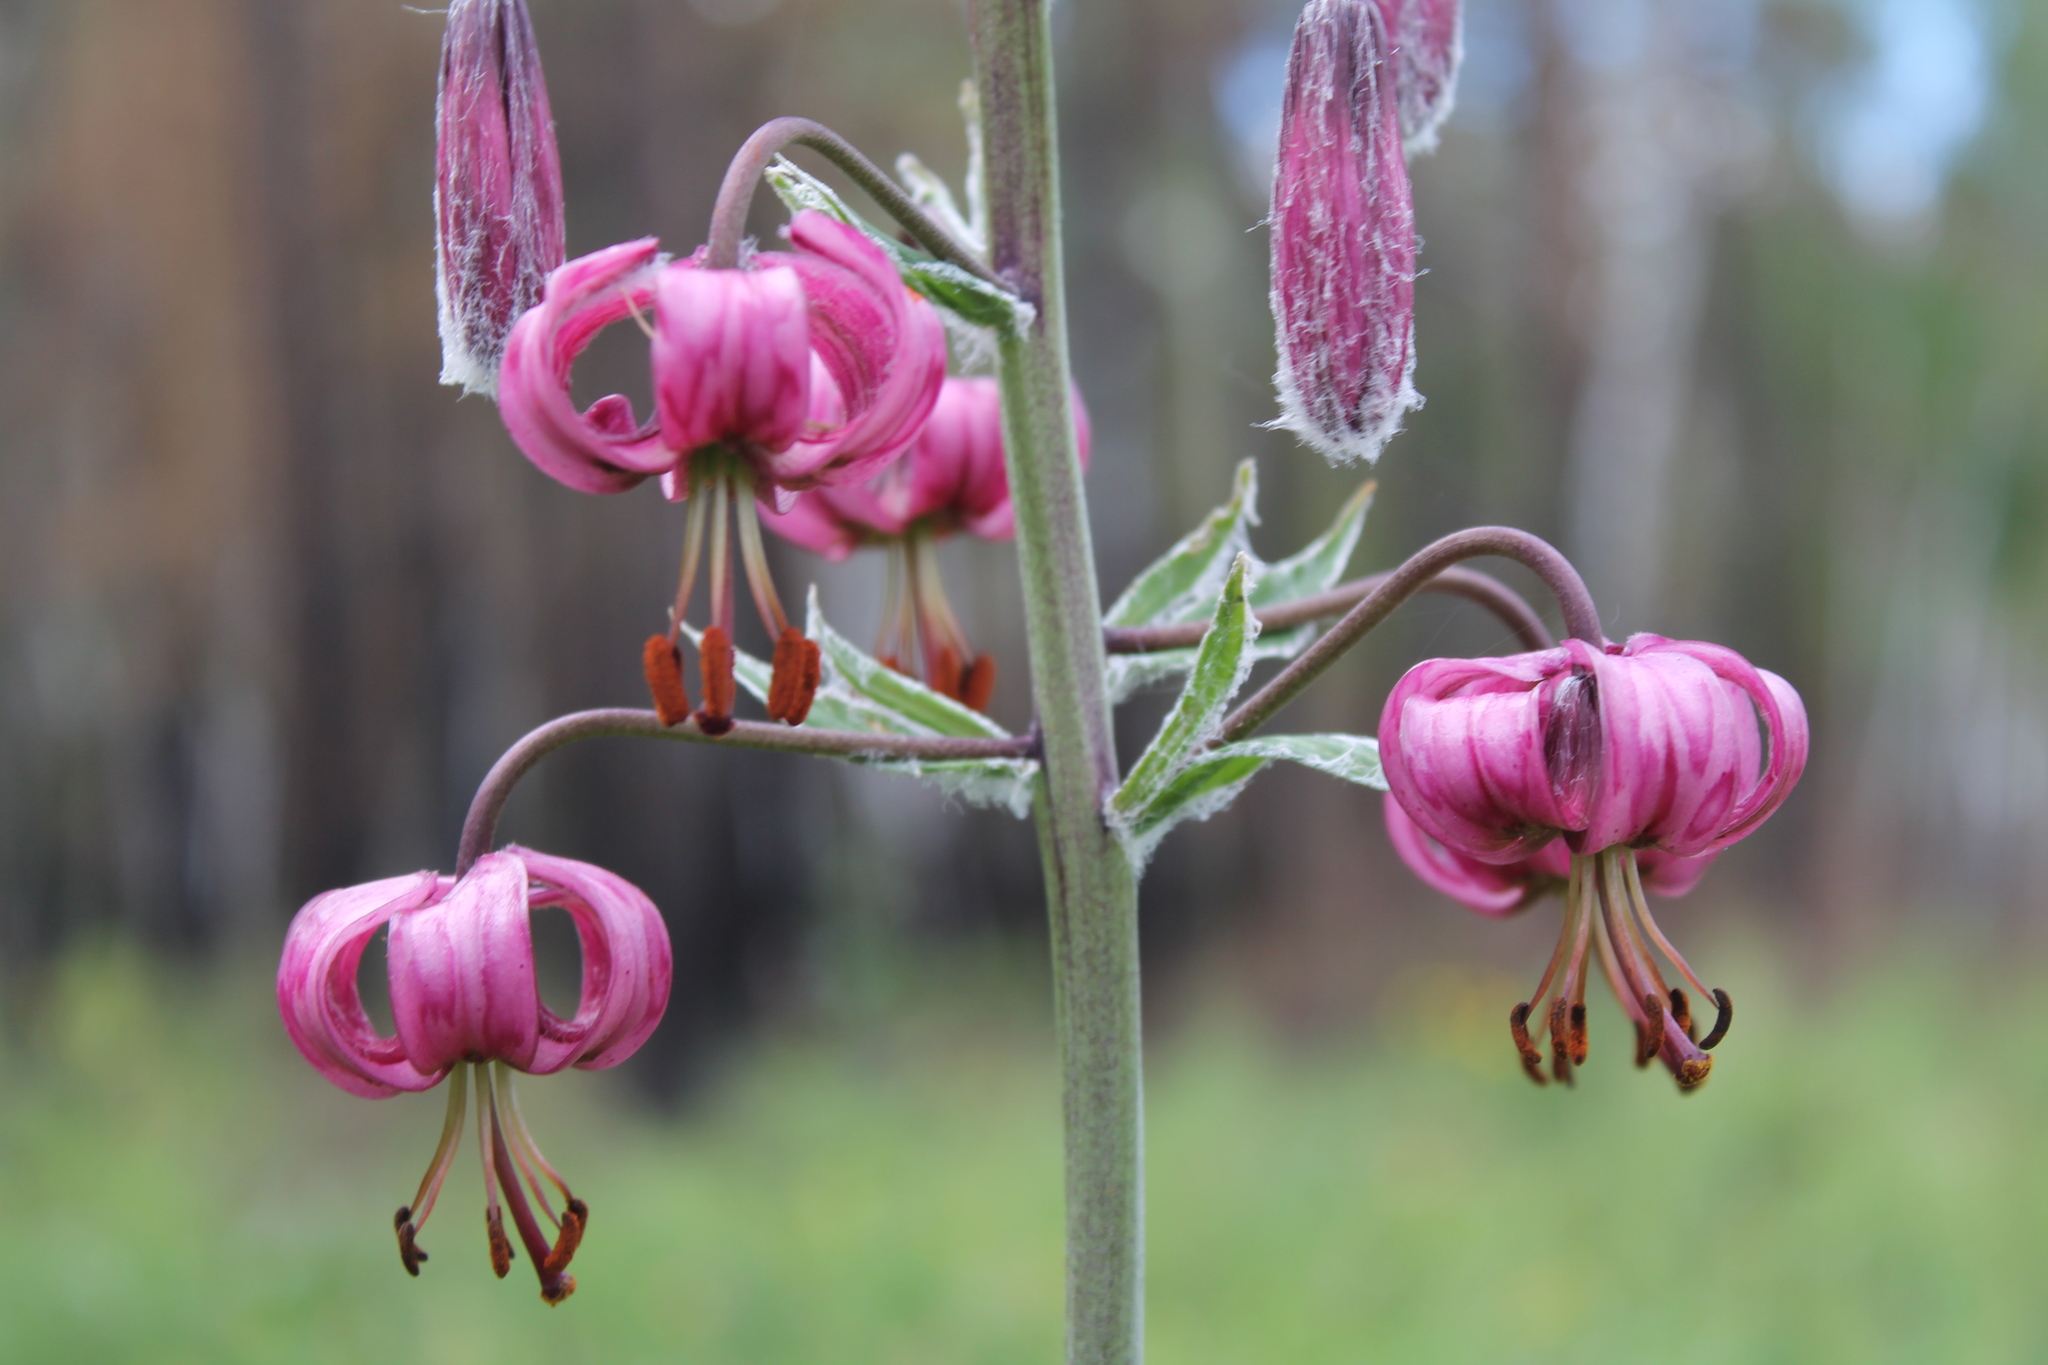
[{"x": 1091, "y": 891}]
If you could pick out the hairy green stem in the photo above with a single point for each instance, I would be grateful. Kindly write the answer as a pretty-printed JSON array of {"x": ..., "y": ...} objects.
[{"x": 1091, "y": 890}]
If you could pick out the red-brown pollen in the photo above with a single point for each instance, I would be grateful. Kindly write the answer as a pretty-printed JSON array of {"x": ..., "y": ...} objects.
[
  {"x": 714, "y": 662},
  {"x": 662, "y": 662}
]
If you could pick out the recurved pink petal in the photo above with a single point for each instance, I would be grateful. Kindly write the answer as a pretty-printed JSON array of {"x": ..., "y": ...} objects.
[
  {"x": 732, "y": 358},
  {"x": 1462, "y": 742},
  {"x": 884, "y": 347},
  {"x": 627, "y": 966},
  {"x": 816, "y": 525},
  {"x": 1495, "y": 889},
  {"x": 1669, "y": 875},
  {"x": 317, "y": 993},
  {"x": 603, "y": 449},
  {"x": 462, "y": 983}
]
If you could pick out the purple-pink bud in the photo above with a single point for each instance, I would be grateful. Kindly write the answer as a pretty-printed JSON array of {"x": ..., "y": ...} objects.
[
  {"x": 498, "y": 226},
  {"x": 1343, "y": 237},
  {"x": 1429, "y": 42}
]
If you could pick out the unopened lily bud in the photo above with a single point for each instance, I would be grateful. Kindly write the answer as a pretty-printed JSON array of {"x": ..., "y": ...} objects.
[
  {"x": 498, "y": 226},
  {"x": 1343, "y": 238},
  {"x": 1429, "y": 42}
]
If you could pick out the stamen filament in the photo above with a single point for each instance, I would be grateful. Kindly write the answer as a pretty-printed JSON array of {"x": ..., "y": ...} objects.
[
  {"x": 721, "y": 550},
  {"x": 412, "y": 1217},
  {"x": 693, "y": 550},
  {"x": 1631, "y": 1003},
  {"x": 499, "y": 1080},
  {"x": 1642, "y": 973},
  {"x": 1564, "y": 934},
  {"x": 1642, "y": 909},
  {"x": 888, "y": 644},
  {"x": 515, "y": 1124},
  {"x": 755, "y": 560},
  {"x": 444, "y": 1154},
  {"x": 494, "y": 1222},
  {"x": 555, "y": 1286}
]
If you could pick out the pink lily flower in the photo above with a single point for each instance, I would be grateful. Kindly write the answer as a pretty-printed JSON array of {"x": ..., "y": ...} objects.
[
  {"x": 463, "y": 997},
  {"x": 802, "y": 369},
  {"x": 815, "y": 366},
  {"x": 1674, "y": 746},
  {"x": 498, "y": 227},
  {"x": 951, "y": 480},
  {"x": 1343, "y": 237},
  {"x": 1502, "y": 889}
]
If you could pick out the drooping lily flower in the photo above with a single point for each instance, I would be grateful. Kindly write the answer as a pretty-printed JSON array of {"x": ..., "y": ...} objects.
[
  {"x": 1343, "y": 237},
  {"x": 1428, "y": 37},
  {"x": 498, "y": 227},
  {"x": 463, "y": 998},
  {"x": 801, "y": 369},
  {"x": 1501, "y": 889},
  {"x": 952, "y": 479},
  {"x": 1677, "y": 746}
]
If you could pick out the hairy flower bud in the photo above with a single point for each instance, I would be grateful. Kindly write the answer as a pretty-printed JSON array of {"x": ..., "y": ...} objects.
[
  {"x": 498, "y": 226},
  {"x": 1429, "y": 42},
  {"x": 1343, "y": 237}
]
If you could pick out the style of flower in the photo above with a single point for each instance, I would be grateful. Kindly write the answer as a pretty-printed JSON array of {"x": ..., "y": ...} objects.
[
  {"x": 952, "y": 479},
  {"x": 1501, "y": 889},
  {"x": 801, "y": 369},
  {"x": 498, "y": 227},
  {"x": 463, "y": 998},
  {"x": 1676, "y": 746},
  {"x": 1343, "y": 237}
]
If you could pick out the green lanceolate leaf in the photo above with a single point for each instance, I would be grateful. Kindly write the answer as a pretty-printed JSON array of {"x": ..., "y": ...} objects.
[
  {"x": 1321, "y": 563},
  {"x": 967, "y": 296},
  {"x": 897, "y": 693},
  {"x": 1317, "y": 568},
  {"x": 1212, "y": 781},
  {"x": 1181, "y": 586},
  {"x": 1221, "y": 663}
]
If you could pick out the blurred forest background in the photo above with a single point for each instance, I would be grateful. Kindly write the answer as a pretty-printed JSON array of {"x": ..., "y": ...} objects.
[{"x": 1743, "y": 303}]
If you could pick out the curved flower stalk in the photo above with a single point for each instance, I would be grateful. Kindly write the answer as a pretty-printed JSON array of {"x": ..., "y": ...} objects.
[
  {"x": 498, "y": 224},
  {"x": 951, "y": 480},
  {"x": 1675, "y": 746},
  {"x": 1343, "y": 237},
  {"x": 463, "y": 997},
  {"x": 1500, "y": 889},
  {"x": 801, "y": 369}
]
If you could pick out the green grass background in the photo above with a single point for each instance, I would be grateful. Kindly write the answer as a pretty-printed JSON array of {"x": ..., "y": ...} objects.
[{"x": 1861, "y": 1180}]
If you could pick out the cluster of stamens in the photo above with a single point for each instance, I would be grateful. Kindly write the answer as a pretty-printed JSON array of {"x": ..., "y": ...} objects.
[
  {"x": 1605, "y": 912},
  {"x": 721, "y": 493},
  {"x": 918, "y": 625},
  {"x": 512, "y": 1164}
]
